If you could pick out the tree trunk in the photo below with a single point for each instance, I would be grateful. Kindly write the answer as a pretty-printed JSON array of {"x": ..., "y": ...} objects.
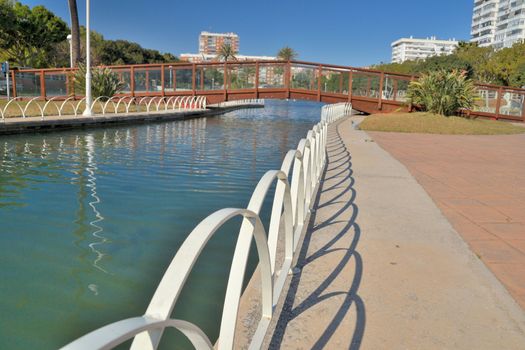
[{"x": 75, "y": 31}]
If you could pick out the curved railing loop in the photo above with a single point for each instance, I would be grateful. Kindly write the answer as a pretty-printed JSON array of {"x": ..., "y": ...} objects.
[
  {"x": 111, "y": 99},
  {"x": 43, "y": 110},
  {"x": 68, "y": 101},
  {"x": 15, "y": 101}
]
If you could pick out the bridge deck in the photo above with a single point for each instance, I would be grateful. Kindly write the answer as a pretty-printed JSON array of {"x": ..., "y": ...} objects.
[{"x": 382, "y": 268}]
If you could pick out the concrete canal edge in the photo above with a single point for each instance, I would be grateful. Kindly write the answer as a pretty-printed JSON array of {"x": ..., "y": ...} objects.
[{"x": 55, "y": 123}]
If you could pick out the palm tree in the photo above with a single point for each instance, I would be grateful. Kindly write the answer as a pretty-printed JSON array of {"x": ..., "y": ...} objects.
[
  {"x": 226, "y": 52},
  {"x": 75, "y": 31},
  {"x": 287, "y": 54}
]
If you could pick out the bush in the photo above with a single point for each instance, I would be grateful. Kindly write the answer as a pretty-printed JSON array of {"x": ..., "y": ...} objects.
[
  {"x": 104, "y": 82},
  {"x": 442, "y": 92}
]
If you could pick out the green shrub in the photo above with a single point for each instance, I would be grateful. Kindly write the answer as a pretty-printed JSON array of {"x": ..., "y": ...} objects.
[
  {"x": 442, "y": 92},
  {"x": 104, "y": 82}
]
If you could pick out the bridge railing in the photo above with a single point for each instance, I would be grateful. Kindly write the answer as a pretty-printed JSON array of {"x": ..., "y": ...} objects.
[
  {"x": 290, "y": 213},
  {"x": 369, "y": 90}
]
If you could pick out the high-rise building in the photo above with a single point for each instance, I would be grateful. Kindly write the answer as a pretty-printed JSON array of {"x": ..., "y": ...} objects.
[
  {"x": 484, "y": 21},
  {"x": 498, "y": 23},
  {"x": 406, "y": 49},
  {"x": 210, "y": 43},
  {"x": 510, "y": 26}
]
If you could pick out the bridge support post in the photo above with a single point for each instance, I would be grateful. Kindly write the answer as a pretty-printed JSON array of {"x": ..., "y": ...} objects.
[
  {"x": 288, "y": 78},
  {"x": 132, "y": 81},
  {"x": 381, "y": 87},
  {"x": 319, "y": 77},
  {"x": 225, "y": 78},
  {"x": 350, "y": 85},
  {"x": 42, "y": 84},
  {"x": 498, "y": 101},
  {"x": 162, "y": 80},
  {"x": 193, "y": 78},
  {"x": 256, "y": 94}
]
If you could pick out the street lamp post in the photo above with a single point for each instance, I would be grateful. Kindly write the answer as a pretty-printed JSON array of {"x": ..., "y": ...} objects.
[
  {"x": 87, "y": 111},
  {"x": 69, "y": 37}
]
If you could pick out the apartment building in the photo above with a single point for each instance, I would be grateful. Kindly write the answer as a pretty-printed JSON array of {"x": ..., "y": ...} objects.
[
  {"x": 210, "y": 43},
  {"x": 406, "y": 49},
  {"x": 498, "y": 23}
]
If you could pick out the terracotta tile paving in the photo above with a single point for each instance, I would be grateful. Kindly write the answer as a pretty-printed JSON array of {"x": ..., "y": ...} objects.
[{"x": 478, "y": 182}]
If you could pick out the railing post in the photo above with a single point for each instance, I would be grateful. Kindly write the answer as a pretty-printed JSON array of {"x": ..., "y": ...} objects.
[
  {"x": 523, "y": 107},
  {"x": 256, "y": 95},
  {"x": 410, "y": 106},
  {"x": 147, "y": 80},
  {"x": 162, "y": 79},
  {"x": 202, "y": 79},
  {"x": 350, "y": 85},
  {"x": 319, "y": 75},
  {"x": 288, "y": 78},
  {"x": 132, "y": 81},
  {"x": 498, "y": 101},
  {"x": 13, "y": 82},
  {"x": 395, "y": 90},
  {"x": 174, "y": 79},
  {"x": 381, "y": 87},
  {"x": 42, "y": 84},
  {"x": 225, "y": 82},
  {"x": 193, "y": 78}
]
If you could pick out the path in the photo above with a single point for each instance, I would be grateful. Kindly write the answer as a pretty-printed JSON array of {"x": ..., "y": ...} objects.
[
  {"x": 382, "y": 268},
  {"x": 478, "y": 182}
]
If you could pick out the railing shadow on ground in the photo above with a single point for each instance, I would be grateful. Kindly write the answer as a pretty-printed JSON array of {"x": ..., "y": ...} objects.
[{"x": 345, "y": 212}]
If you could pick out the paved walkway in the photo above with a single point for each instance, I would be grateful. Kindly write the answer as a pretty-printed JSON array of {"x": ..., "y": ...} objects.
[
  {"x": 478, "y": 182},
  {"x": 382, "y": 268}
]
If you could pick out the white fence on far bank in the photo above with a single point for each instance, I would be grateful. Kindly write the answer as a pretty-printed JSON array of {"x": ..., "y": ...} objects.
[{"x": 101, "y": 105}]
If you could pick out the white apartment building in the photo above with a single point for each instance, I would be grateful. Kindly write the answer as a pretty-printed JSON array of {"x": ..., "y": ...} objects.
[
  {"x": 510, "y": 26},
  {"x": 498, "y": 23},
  {"x": 484, "y": 22},
  {"x": 198, "y": 57},
  {"x": 406, "y": 49}
]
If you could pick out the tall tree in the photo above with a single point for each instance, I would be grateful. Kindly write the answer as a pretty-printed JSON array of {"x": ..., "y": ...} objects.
[
  {"x": 226, "y": 52},
  {"x": 75, "y": 31},
  {"x": 27, "y": 35},
  {"x": 287, "y": 54}
]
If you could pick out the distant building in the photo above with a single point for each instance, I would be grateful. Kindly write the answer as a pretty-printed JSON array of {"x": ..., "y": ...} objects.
[
  {"x": 197, "y": 57},
  {"x": 406, "y": 49},
  {"x": 498, "y": 23},
  {"x": 211, "y": 43}
]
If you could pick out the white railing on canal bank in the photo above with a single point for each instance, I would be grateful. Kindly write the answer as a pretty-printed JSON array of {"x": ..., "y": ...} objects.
[
  {"x": 102, "y": 105},
  {"x": 245, "y": 102},
  {"x": 330, "y": 113},
  {"x": 290, "y": 214}
]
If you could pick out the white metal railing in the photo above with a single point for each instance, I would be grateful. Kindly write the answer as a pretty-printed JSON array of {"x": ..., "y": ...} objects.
[
  {"x": 114, "y": 105},
  {"x": 330, "y": 113},
  {"x": 251, "y": 101},
  {"x": 290, "y": 215}
]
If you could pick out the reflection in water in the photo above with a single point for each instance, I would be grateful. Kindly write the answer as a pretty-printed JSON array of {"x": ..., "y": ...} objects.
[
  {"x": 91, "y": 218},
  {"x": 92, "y": 184}
]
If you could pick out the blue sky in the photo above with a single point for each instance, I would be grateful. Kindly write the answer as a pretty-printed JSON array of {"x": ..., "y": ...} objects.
[{"x": 346, "y": 32}]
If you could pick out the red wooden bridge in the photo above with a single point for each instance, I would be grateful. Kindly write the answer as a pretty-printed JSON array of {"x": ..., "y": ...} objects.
[{"x": 370, "y": 91}]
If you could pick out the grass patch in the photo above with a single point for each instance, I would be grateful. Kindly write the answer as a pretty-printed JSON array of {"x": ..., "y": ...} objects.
[{"x": 429, "y": 123}]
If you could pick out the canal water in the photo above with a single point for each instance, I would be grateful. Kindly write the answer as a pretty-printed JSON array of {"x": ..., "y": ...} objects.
[{"x": 90, "y": 219}]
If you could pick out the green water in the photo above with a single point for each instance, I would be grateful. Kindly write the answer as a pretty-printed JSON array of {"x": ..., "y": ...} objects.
[{"x": 90, "y": 219}]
